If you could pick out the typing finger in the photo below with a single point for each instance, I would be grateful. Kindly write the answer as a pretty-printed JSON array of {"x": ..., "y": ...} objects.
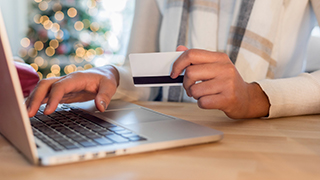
[{"x": 38, "y": 96}]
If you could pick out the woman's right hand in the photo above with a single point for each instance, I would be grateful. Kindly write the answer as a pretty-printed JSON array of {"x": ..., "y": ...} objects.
[{"x": 99, "y": 84}]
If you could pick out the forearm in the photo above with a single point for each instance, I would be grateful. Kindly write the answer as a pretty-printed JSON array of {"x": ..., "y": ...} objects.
[{"x": 293, "y": 96}]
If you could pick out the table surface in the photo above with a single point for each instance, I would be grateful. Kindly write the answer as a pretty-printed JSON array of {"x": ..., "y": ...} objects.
[{"x": 282, "y": 148}]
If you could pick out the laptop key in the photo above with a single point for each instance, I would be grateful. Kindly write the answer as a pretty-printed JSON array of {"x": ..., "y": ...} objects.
[
  {"x": 88, "y": 144},
  {"x": 103, "y": 141},
  {"x": 117, "y": 138}
]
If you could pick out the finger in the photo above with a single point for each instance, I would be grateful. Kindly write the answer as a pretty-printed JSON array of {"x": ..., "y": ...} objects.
[
  {"x": 181, "y": 48},
  {"x": 204, "y": 72},
  {"x": 206, "y": 88},
  {"x": 215, "y": 101},
  {"x": 196, "y": 56},
  {"x": 38, "y": 95},
  {"x": 61, "y": 88},
  {"x": 107, "y": 89}
]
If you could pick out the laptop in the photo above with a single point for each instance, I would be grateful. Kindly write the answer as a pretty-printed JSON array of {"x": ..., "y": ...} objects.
[{"x": 78, "y": 132}]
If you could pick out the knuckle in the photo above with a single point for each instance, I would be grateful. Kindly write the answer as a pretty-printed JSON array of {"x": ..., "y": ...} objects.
[
  {"x": 190, "y": 53},
  {"x": 224, "y": 56},
  {"x": 203, "y": 103},
  {"x": 194, "y": 92}
]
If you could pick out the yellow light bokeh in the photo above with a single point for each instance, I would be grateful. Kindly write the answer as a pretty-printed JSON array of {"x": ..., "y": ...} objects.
[
  {"x": 36, "y": 18},
  {"x": 86, "y": 23},
  {"x": 50, "y": 51},
  {"x": 94, "y": 26},
  {"x": 35, "y": 66},
  {"x": 38, "y": 45},
  {"x": 72, "y": 12},
  {"x": 80, "y": 52},
  {"x": 78, "y": 25},
  {"x": 59, "y": 15},
  {"x": 40, "y": 75},
  {"x": 55, "y": 69},
  {"x": 43, "y": 19},
  {"x": 79, "y": 68},
  {"x": 54, "y": 61},
  {"x": 32, "y": 52},
  {"x": 23, "y": 52},
  {"x": 43, "y": 5},
  {"x": 54, "y": 43},
  {"x": 39, "y": 61},
  {"x": 99, "y": 51},
  {"x": 37, "y": 1},
  {"x": 87, "y": 66},
  {"x": 78, "y": 59},
  {"x": 70, "y": 68},
  {"x": 55, "y": 27},
  {"x": 45, "y": 64},
  {"x": 59, "y": 35},
  {"x": 25, "y": 42},
  {"x": 49, "y": 75},
  {"x": 56, "y": 7}
]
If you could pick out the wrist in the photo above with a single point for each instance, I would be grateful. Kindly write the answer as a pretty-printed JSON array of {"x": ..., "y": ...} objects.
[{"x": 259, "y": 101}]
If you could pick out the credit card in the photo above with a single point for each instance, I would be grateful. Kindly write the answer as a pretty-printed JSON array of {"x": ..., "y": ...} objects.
[{"x": 153, "y": 69}]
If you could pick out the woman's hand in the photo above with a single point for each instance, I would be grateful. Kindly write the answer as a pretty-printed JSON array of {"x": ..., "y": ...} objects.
[
  {"x": 213, "y": 80},
  {"x": 96, "y": 83}
]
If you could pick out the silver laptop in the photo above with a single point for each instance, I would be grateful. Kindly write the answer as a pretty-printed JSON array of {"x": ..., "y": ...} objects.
[{"x": 78, "y": 132}]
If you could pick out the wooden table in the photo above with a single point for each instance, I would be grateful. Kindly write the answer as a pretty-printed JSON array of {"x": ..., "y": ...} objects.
[{"x": 284, "y": 148}]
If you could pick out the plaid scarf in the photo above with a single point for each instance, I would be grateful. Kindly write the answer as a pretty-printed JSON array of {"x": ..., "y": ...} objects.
[{"x": 251, "y": 38}]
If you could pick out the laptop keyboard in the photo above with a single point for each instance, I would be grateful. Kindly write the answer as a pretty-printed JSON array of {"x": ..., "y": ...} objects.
[{"x": 71, "y": 128}]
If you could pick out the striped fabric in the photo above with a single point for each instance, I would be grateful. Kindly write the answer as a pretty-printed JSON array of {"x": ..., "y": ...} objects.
[{"x": 250, "y": 44}]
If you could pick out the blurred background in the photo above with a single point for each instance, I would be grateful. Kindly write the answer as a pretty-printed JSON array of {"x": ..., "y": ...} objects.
[{"x": 57, "y": 37}]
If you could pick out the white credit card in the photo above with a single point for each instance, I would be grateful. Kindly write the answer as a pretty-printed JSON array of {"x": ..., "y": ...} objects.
[{"x": 153, "y": 69}]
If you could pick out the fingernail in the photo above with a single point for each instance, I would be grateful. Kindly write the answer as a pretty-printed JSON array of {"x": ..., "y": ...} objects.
[
  {"x": 172, "y": 75},
  {"x": 47, "y": 107},
  {"x": 103, "y": 104},
  {"x": 28, "y": 109}
]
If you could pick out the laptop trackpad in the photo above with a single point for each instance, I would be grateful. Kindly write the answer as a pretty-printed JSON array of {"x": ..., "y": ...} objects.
[{"x": 133, "y": 116}]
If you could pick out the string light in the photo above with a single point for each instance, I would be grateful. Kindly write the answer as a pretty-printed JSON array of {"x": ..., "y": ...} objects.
[
  {"x": 38, "y": 45},
  {"x": 59, "y": 35},
  {"x": 94, "y": 26},
  {"x": 87, "y": 66},
  {"x": 59, "y": 15},
  {"x": 50, "y": 51},
  {"x": 56, "y": 7},
  {"x": 23, "y": 52},
  {"x": 55, "y": 27},
  {"x": 49, "y": 75},
  {"x": 37, "y": 1},
  {"x": 86, "y": 23},
  {"x": 32, "y": 52},
  {"x": 80, "y": 51},
  {"x": 40, "y": 75},
  {"x": 54, "y": 43},
  {"x": 43, "y": 19},
  {"x": 35, "y": 66},
  {"x": 43, "y": 5},
  {"x": 25, "y": 42},
  {"x": 36, "y": 18},
  {"x": 72, "y": 12},
  {"x": 99, "y": 51},
  {"x": 39, "y": 61},
  {"x": 78, "y": 25},
  {"x": 55, "y": 69}
]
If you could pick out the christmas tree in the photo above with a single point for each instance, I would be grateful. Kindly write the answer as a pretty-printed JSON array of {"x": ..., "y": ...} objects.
[{"x": 64, "y": 36}]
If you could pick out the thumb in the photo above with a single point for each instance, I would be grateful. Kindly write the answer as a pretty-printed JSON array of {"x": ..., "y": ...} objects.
[
  {"x": 181, "y": 48},
  {"x": 104, "y": 95}
]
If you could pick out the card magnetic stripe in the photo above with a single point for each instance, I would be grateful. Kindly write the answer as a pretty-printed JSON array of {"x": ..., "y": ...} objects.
[{"x": 157, "y": 80}]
